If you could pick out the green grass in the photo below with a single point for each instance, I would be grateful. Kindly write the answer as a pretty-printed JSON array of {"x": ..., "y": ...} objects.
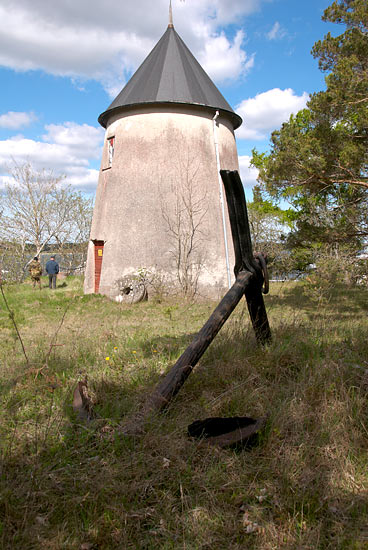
[{"x": 64, "y": 484}]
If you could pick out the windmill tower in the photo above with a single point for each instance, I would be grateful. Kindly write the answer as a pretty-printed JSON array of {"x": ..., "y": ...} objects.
[{"x": 159, "y": 203}]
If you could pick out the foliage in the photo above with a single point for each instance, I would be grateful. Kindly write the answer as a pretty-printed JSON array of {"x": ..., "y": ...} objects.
[
  {"x": 333, "y": 266},
  {"x": 319, "y": 158},
  {"x": 37, "y": 210},
  {"x": 269, "y": 226},
  {"x": 68, "y": 485}
]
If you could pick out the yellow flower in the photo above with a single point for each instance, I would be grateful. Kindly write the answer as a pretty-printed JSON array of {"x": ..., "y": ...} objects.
[
  {"x": 134, "y": 351},
  {"x": 115, "y": 348},
  {"x": 107, "y": 358},
  {"x": 155, "y": 351}
]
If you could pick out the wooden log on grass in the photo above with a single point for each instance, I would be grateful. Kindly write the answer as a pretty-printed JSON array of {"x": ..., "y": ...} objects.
[{"x": 169, "y": 386}]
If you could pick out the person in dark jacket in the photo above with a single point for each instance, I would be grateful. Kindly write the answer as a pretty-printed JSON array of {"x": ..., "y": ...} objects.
[{"x": 52, "y": 268}]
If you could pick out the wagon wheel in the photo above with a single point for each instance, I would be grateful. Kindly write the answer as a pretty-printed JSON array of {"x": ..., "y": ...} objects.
[{"x": 132, "y": 290}]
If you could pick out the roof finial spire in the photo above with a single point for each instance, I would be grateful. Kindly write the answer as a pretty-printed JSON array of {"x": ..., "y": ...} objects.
[{"x": 171, "y": 24}]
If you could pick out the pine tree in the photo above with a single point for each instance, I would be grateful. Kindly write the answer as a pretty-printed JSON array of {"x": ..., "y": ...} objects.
[{"x": 319, "y": 158}]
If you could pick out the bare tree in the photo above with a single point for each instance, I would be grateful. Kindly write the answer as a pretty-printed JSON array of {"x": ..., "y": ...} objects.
[
  {"x": 38, "y": 209},
  {"x": 72, "y": 242},
  {"x": 184, "y": 223}
]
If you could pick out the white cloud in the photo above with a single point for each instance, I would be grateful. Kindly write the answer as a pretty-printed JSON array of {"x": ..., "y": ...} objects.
[
  {"x": 66, "y": 149},
  {"x": 83, "y": 179},
  {"x": 30, "y": 42},
  {"x": 15, "y": 120},
  {"x": 81, "y": 139},
  {"x": 267, "y": 111},
  {"x": 248, "y": 174},
  {"x": 223, "y": 59},
  {"x": 230, "y": 10},
  {"x": 276, "y": 33},
  {"x": 107, "y": 40}
]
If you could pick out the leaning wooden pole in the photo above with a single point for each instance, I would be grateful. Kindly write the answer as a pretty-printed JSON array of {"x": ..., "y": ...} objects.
[
  {"x": 169, "y": 386},
  {"x": 249, "y": 281},
  {"x": 244, "y": 258}
]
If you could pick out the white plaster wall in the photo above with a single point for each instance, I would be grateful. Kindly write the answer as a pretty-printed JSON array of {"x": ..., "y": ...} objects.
[{"x": 158, "y": 153}]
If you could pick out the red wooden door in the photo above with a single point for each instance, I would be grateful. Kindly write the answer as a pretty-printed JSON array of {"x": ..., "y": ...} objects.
[{"x": 99, "y": 246}]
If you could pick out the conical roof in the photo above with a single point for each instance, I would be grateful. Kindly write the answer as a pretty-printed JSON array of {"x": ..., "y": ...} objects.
[{"x": 171, "y": 74}]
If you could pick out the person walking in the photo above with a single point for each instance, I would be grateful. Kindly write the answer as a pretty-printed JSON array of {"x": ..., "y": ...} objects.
[
  {"x": 52, "y": 269},
  {"x": 35, "y": 270}
]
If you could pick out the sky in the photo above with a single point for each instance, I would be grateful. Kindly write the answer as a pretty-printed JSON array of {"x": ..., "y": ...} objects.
[{"x": 62, "y": 63}]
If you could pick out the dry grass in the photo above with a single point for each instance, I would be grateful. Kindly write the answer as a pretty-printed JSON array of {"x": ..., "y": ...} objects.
[{"x": 65, "y": 485}]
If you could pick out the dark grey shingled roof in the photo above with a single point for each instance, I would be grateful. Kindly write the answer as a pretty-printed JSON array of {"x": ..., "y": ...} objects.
[{"x": 171, "y": 74}]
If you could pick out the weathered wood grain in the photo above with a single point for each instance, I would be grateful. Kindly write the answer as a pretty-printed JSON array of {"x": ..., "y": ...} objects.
[{"x": 169, "y": 386}]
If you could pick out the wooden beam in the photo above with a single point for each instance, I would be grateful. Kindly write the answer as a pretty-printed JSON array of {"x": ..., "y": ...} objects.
[
  {"x": 169, "y": 386},
  {"x": 257, "y": 312},
  {"x": 244, "y": 258}
]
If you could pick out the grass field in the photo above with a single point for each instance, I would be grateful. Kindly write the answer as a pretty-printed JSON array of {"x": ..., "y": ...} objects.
[{"x": 66, "y": 485}]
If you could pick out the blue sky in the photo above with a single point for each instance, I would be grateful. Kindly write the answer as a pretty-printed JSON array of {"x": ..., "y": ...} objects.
[{"x": 61, "y": 64}]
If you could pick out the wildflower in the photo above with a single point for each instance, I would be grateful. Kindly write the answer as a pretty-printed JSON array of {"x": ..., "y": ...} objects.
[
  {"x": 115, "y": 348},
  {"x": 107, "y": 358},
  {"x": 134, "y": 351},
  {"x": 155, "y": 351}
]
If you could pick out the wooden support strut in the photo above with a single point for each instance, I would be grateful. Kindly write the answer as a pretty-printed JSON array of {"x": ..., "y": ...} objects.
[
  {"x": 244, "y": 258},
  {"x": 175, "y": 378},
  {"x": 249, "y": 280}
]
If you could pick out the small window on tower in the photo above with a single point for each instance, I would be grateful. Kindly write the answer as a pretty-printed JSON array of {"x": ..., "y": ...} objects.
[{"x": 110, "y": 149}]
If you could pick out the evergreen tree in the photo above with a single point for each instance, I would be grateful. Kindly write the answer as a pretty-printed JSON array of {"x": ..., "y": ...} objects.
[{"x": 319, "y": 158}]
